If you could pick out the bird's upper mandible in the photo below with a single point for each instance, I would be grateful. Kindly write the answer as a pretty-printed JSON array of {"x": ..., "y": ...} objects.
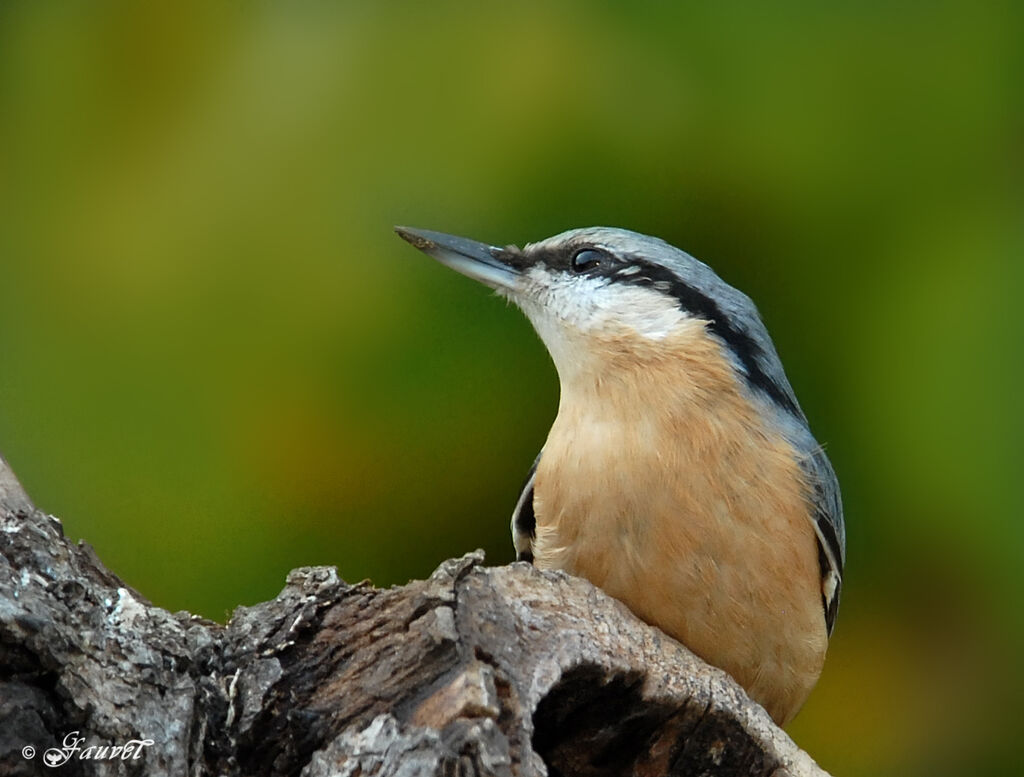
[{"x": 680, "y": 474}]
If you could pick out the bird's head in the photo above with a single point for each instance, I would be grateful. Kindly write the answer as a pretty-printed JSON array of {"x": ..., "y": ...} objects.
[{"x": 595, "y": 291}]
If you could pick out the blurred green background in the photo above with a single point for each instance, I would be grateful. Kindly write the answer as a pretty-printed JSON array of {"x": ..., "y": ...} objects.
[{"x": 218, "y": 363}]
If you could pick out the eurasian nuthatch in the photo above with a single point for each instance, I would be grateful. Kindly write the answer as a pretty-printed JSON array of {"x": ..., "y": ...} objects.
[{"x": 680, "y": 474}]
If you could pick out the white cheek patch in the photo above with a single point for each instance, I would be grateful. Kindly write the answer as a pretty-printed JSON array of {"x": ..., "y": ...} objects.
[{"x": 596, "y": 305}]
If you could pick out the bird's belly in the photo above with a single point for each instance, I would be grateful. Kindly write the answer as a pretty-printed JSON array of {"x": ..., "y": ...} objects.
[{"x": 717, "y": 552}]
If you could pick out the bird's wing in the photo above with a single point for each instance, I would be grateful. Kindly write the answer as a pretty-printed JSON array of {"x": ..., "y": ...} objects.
[
  {"x": 830, "y": 531},
  {"x": 524, "y": 521}
]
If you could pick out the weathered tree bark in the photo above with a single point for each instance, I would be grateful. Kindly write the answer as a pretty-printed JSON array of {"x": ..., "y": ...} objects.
[{"x": 475, "y": 671}]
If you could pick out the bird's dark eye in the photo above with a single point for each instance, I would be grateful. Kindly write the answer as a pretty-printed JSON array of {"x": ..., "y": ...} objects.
[{"x": 586, "y": 259}]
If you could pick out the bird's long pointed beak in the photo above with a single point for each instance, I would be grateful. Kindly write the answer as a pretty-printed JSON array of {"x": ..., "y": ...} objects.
[{"x": 478, "y": 261}]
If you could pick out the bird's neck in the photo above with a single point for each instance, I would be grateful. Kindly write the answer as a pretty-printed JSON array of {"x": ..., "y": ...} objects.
[{"x": 620, "y": 377}]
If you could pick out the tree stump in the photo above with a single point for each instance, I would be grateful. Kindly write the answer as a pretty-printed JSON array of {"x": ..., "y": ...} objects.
[{"x": 474, "y": 671}]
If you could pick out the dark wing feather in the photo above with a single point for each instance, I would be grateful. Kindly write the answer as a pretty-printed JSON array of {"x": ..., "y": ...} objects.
[
  {"x": 524, "y": 521},
  {"x": 829, "y": 529}
]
